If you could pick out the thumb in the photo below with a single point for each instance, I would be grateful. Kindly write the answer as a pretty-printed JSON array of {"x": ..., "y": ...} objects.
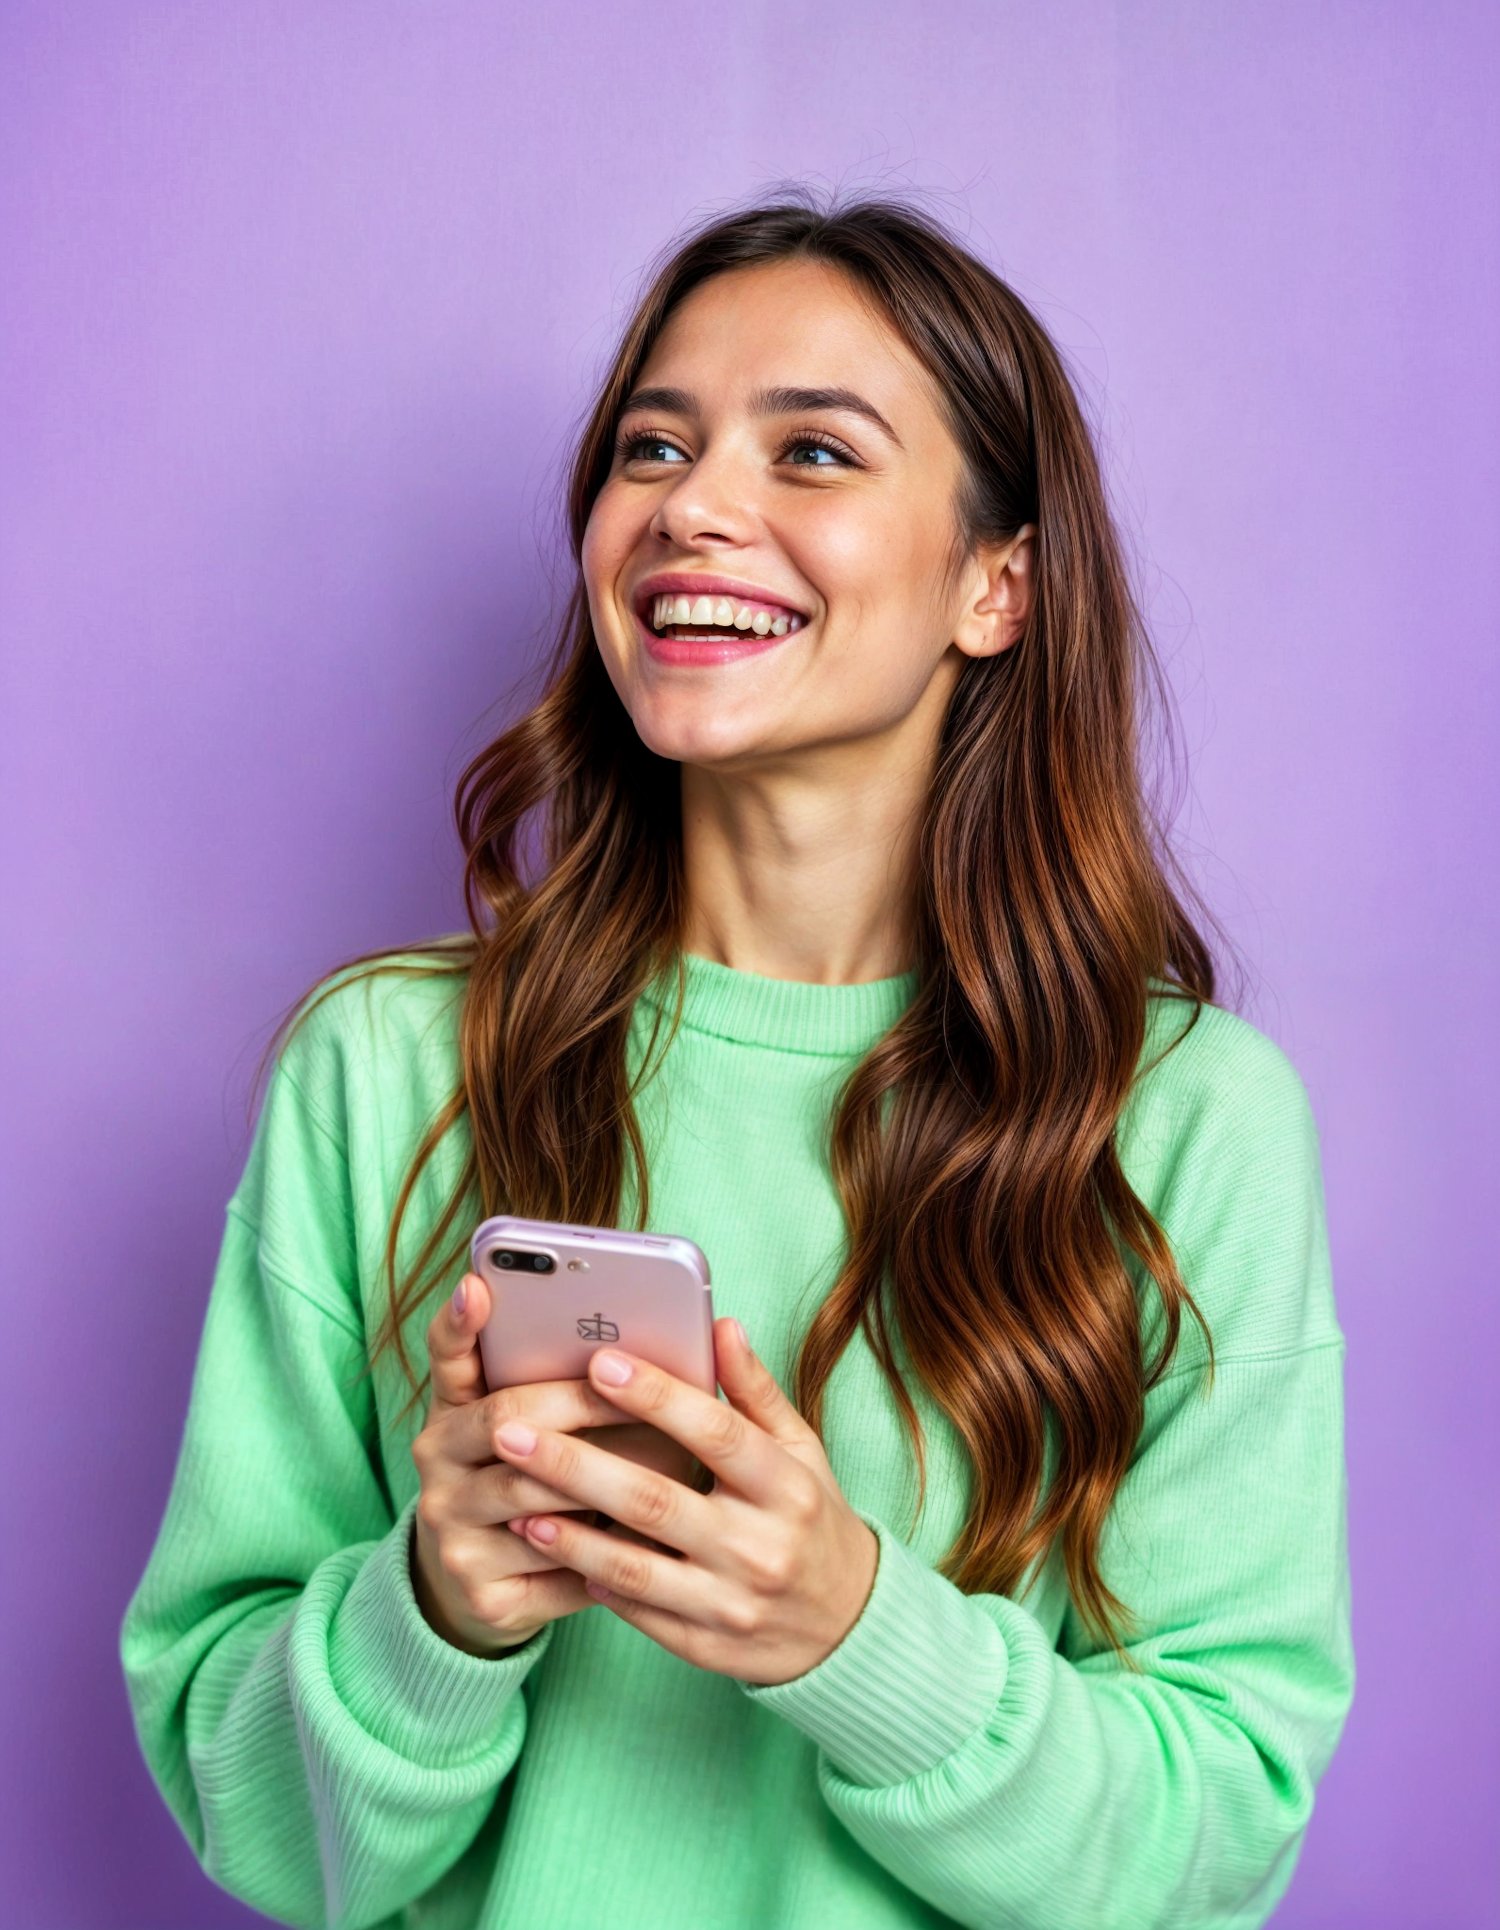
[
  {"x": 453, "y": 1345},
  {"x": 753, "y": 1388}
]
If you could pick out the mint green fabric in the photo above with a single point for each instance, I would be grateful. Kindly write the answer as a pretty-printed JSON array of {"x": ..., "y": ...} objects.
[{"x": 957, "y": 1759}]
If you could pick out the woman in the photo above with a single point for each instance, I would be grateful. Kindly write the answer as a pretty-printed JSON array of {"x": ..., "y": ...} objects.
[{"x": 1015, "y": 1592}]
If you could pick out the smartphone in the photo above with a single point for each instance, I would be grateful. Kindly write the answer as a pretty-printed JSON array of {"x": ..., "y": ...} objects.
[{"x": 558, "y": 1293}]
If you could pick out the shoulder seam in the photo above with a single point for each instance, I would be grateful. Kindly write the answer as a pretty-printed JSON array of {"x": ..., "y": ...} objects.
[
  {"x": 337, "y": 1317},
  {"x": 330, "y": 1131},
  {"x": 314, "y": 1112}
]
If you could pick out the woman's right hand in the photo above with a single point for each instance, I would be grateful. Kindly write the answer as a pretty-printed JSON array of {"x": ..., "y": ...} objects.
[{"x": 478, "y": 1584}]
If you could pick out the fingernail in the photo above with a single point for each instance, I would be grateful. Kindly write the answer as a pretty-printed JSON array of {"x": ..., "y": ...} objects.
[
  {"x": 739, "y": 1333},
  {"x": 599, "y": 1593},
  {"x": 612, "y": 1369},
  {"x": 461, "y": 1297},
  {"x": 516, "y": 1437},
  {"x": 542, "y": 1530}
]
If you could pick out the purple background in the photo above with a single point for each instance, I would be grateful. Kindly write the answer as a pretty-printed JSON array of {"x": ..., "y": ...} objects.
[{"x": 301, "y": 301}]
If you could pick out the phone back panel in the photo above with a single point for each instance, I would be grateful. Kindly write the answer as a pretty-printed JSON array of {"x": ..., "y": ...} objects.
[{"x": 643, "y": 1292}]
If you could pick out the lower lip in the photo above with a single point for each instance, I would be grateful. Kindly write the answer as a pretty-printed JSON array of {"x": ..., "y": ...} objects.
[{"x": 731, "y": 647}]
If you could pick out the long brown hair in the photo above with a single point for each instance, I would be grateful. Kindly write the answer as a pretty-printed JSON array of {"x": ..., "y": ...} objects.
[{"x": 992, "y": 1233}]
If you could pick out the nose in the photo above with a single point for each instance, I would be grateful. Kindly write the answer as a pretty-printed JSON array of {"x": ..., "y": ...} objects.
[{"x": 712, "y": 505}]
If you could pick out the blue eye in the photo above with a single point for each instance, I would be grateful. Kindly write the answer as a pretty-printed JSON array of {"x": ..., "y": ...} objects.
[
  {"x": 825, "y": 453},
  {"x": 649, "y": 448}
]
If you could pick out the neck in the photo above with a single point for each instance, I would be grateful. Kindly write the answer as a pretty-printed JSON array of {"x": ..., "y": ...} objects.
[{"x": 804, "y": 870}]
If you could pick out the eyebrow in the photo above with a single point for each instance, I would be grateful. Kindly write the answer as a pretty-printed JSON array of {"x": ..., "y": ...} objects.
[{"x": 780, "y": 401}]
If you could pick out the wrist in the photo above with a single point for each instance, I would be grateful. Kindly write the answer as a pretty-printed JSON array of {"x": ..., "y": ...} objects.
[
  {"x": 860, "y": 1568},
  {"x": 881, "y": 1724}
]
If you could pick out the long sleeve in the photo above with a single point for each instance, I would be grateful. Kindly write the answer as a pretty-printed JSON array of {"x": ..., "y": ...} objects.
[
  {"x": 1014, "y": 1779},
  {"x": 328, "y": 1756}
]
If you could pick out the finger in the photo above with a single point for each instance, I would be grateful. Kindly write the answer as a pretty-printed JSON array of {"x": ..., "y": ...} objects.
[
  {"x": 753, "y": 1388},
  {"x": 453, "y": 1345},
  {"x": 566, "y": 1405},
  {"x": 499, "y": 1493},
  {"x": 654, "y": 1505},
  {"x": 737, "y": 1449},
  {"x": 626, "y": 1568},
  {"x": 545, "y": 1596},
  {"x": 517, "y": 1555}
]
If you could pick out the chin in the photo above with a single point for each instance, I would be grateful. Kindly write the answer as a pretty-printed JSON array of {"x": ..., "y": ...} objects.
[{"x": 693, "y": 733}]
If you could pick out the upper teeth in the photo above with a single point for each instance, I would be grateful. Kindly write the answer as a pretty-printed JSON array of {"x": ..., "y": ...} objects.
[{"x": 720, "y": 612}]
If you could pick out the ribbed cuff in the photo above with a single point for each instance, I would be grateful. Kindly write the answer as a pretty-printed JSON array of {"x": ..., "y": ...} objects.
[
  {"x": 421, "y": 1697},
  {"x": 915, "y": 1677}
]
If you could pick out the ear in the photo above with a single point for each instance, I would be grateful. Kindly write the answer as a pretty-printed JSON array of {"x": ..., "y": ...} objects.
[{"x": 1002, "y": 584}]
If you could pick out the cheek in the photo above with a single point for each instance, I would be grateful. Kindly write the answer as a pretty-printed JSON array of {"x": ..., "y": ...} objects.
[
  {"x": 841, "y": 546},
  {"x": 596, "y": 549},
  {"x": 603, "y": 555},
  {"x": 876, "y": 562},
  {"x": 891, "y": 623},
  {"x": 608, "y": 538}
]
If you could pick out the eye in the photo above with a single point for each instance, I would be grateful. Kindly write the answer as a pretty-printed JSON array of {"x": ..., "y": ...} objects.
[
  {"x": 822, "y": 452},
  {"x": 647, "y": 445}
]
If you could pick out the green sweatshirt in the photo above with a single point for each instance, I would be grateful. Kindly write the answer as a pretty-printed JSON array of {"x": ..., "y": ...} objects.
[{"x": 971, "y": 1759}]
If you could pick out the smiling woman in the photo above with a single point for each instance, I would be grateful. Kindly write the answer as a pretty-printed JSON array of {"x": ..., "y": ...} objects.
[
  {"x": 1017, "y": 1593},
  {"x": 845, "y": 498}
]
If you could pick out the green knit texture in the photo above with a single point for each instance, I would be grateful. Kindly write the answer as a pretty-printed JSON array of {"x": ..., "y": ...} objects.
[{"x": 971, "y": 1759}]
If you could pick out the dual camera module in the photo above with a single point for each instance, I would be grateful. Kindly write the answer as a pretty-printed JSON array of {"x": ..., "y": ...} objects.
[{"x": 511, "y": 1259}]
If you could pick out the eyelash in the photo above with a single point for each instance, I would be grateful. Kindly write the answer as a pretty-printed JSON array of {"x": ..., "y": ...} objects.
[{"x": 816, "y": 438}]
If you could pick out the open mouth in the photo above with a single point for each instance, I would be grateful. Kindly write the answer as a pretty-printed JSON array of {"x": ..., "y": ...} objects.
[{"x": 718, "y": 619}]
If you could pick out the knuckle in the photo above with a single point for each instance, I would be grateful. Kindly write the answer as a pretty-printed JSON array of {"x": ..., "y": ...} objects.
[
  {"x": 725, "y": 1432},
  {"x": 804, "y": 1500},
  {"x": 772, "y": 1567},
  {"x": 740, "y": 1615},
  {"x": 430, "y": 1510},
  {"x": 593, "y": 1406},
  {"x": 501, "y": 1406},
  {"x": 652, "y": 1504},
  {"x": 652, "y": 1392},
  {"x": 629, "y": 1573},
  {"x": 508, "y": 1483},
  {"x": 456, "y": 1559},
  {"x": 496, "y": 1601}
]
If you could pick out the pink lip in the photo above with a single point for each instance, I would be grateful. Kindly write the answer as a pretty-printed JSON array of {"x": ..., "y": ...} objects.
[{"x": 735, "y": 645}]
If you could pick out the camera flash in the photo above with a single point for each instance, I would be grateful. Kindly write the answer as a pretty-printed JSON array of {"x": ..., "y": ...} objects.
[{"x": 578, "y": 1266}]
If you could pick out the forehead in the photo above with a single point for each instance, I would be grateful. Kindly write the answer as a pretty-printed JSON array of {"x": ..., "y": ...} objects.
[{"x": 794, "y": 324}]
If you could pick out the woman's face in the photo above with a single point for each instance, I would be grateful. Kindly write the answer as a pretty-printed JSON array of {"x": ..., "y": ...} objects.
[{"x": 770, "y": 562}]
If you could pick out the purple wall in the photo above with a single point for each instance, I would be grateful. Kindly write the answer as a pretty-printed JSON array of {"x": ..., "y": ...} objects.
[{"x": 300, "y": 301}]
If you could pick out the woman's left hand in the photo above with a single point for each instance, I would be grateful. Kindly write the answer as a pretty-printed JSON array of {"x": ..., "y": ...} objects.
[{"x": 773, "y": 1565}]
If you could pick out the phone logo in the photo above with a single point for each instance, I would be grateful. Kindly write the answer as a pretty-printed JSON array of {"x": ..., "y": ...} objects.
[{"x": 596, "y": 1327}]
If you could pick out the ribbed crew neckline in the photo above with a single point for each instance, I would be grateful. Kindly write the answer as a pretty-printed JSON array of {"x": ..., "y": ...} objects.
[{"x": 786, "y": 1015}]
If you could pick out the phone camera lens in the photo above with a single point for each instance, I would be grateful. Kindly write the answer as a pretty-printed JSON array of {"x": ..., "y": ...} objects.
[{"x": 511, "y": 1260}]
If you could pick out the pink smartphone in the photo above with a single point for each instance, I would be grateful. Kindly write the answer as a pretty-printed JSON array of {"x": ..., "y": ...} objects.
[{"x": 560, "y": 1292}]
